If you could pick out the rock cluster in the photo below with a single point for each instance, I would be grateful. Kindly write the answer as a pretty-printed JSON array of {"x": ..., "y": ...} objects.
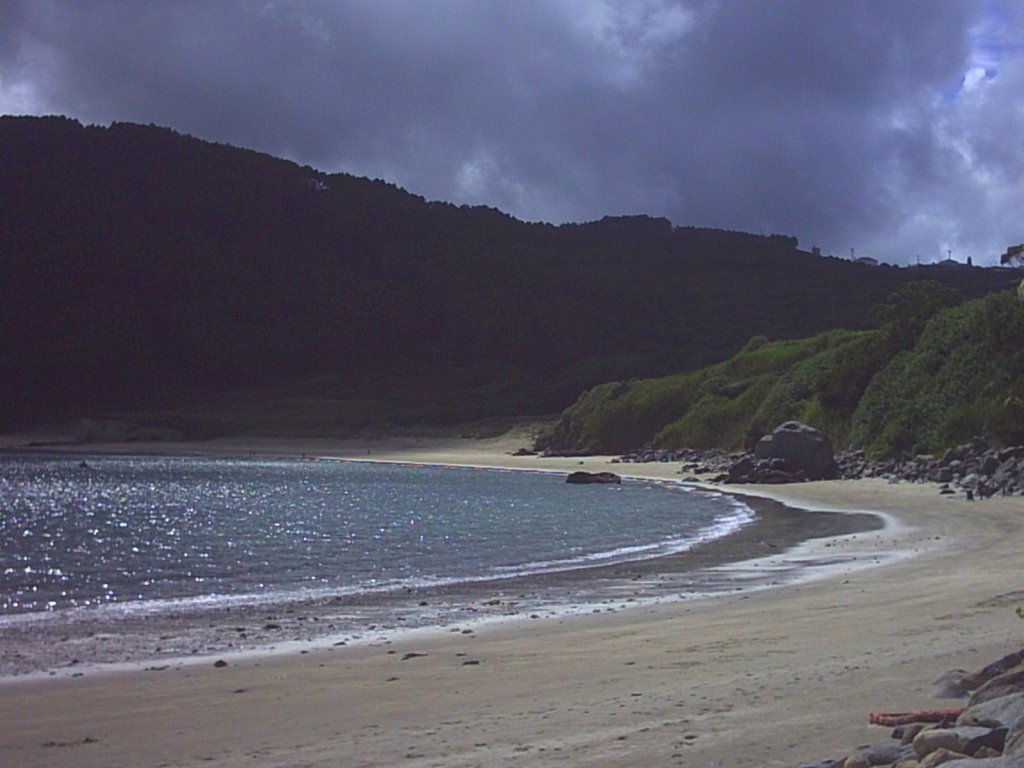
[
  {"x": 715, "y": 457},
  {"x": 988, "y": 732},
  {"x": 693, "y": 461},
  {"x": 974, "y": 468},
  {"x": 792, "y": 453}
]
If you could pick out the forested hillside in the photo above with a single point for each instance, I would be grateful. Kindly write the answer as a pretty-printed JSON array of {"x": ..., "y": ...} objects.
[{"x": 140, "y": 268}]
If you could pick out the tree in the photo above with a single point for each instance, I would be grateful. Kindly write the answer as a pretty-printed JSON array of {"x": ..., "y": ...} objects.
[
  {"x": 905, "y": 313},
  {"x": 1014, "y": 255}
]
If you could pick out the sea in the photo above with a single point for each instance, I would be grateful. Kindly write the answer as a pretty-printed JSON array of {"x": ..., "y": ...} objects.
[
  {"x": 80, "y": 532},
  {"x": 114, "y": 560}
]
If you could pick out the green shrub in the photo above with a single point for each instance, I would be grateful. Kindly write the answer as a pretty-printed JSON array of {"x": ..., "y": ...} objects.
[
  {"x": 716, "y": 421},
  {"x": 963, "y": 377}
]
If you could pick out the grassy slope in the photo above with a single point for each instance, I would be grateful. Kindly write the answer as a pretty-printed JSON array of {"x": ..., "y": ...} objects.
[
  {"x": 963, "y": 376},
  {"x": 728, "y": 405}
]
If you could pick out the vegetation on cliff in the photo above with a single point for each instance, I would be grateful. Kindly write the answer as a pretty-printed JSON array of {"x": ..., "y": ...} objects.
[
  {"x": 934, "y": 373},
  {"x": 963, "y": 377}
]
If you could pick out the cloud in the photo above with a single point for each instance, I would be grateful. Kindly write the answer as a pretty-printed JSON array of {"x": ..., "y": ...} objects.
[{"x": 876, "y": 125}]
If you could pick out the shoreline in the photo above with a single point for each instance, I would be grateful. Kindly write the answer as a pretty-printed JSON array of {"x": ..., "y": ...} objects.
[
  {"x": 769, "y": 678},
  {"x": 176, "y": 633}
]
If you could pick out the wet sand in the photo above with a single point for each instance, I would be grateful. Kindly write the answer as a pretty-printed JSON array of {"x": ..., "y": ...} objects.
[{"x": 753, "y": 678}]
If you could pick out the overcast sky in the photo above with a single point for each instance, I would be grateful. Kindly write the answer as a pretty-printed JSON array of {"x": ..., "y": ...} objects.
[{"x": 888, "y": 126}]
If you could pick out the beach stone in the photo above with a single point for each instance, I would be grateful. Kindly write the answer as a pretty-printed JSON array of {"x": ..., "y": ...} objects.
[
  {"x": 992, "y": 743},
  {"x": 1003, "y": 711},
  {"x": 856, "y": 761},
  {"x": 910, "y": 732},
  {"x": 952, "y": 739},
  {"x": 1014, "y": 744},
  {"x": 802, "y": 447},
  {"x": 940, "y": 756},
  {"x": 949, "y": 685},
  {"x": 977, "y": 679},
  {"x": 1001, "y": 685},
  {"x": 886, "y": 754},
  {"x": 985, "y": 752},
  {"x": 740, "y": 469},
  {"x": 583, "y": 478}
]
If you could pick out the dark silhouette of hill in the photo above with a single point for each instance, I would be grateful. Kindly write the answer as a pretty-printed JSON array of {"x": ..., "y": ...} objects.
[{"x": 142, "y": 268}]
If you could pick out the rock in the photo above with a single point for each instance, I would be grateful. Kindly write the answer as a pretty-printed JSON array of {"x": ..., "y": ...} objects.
[
  {"x": 986, "y": 752},
  {"x": 886, "y": 754},
  {"x": 989, "y": 465},
  {"x": 1001, "y": 685},
  {"x": 995, "y": 713},
  {"x": 585, "y": 478},
  {"x": 993, "y": 741},
  {"x": 1014, "y": 744},
  {"x": 952, "y": 739},
  {"x": 856, "y": 761},
  {"x": 803, "y": 448},
  {"x": 910, "y": 732},
  {"x": 1015, "y": 738},
  {"x": 977, "y": 472},
  {"x": 740, "y": 469},
  {"x": 949, "y": 686},
  {"x": 940, "y": 757},
  {"x": 1009, "y": 661}
]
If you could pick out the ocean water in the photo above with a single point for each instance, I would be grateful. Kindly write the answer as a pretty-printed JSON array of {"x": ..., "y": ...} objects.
[{"x": 80, "y": 531}]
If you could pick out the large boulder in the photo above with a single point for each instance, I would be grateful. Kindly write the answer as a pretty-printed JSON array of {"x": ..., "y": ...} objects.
[
  {"x": 802, "y": 447},
  {"x": 600, "y": 478}
]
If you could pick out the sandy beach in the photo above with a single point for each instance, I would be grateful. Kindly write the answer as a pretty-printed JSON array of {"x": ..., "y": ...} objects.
[{"x": 773, "y": 677}]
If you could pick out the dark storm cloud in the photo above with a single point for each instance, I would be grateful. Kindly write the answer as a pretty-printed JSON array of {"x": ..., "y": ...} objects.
[{"x": 875, "y": 125}]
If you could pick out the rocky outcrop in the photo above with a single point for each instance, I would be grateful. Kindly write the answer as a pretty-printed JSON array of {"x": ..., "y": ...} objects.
[
  {"x": 987, "y": 733},
  {"x": 974, "y": 469},
  {"x": 590, "y": 478}
]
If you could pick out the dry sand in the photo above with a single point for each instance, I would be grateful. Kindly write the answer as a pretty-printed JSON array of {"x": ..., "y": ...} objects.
[{"x": 769, "y": 678}]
